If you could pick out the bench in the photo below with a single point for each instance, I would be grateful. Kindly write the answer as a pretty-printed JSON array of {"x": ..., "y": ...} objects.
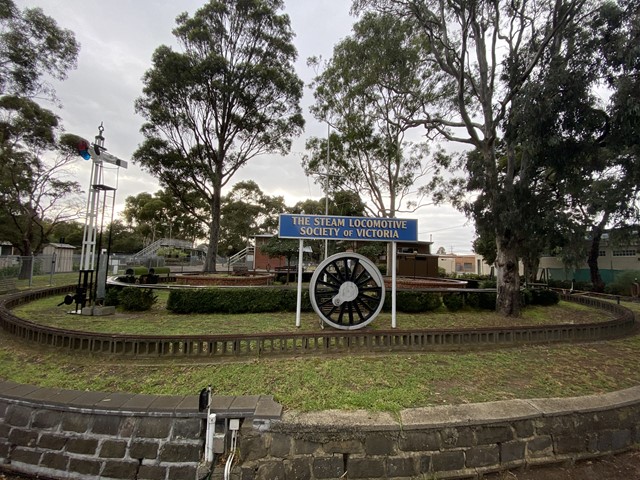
[{"x": 7, "y": 285}]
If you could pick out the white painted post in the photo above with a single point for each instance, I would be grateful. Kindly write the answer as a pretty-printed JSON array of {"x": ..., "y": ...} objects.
[
  {"x": 299, "y": 300},
  {"x": 393, "y": 284}
]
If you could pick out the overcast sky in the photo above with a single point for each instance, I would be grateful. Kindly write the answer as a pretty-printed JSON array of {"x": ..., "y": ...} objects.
[{"x": 117, "y": 40}]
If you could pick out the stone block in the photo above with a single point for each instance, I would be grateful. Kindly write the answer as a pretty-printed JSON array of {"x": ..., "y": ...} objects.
[
  {"x": 25, "y": 455},
  {"x": 46, "y": 419},
  {"x": 23, "y": 438},
  {"x": 153, "y": 427},
  {"x": 365, "y": 468},
  {"x": 447, "y": 460},
  {"x": 540, "y": 447},
  {"x": 483, "y": 456},
  {"x": 297, "y": 469},
  {"x": 345, "y": 446},
  {"x": 328, "y": 467},
  {"x": 377, "y": 444},
  {"x": 524, "y": 428},
  {"x": 152, "y": 472},
  {"x": 620, "y": 439},
  {"x": 253, "y": 448},
  {"x": 178, "y": 453},
  {"x": 420, "y": 442},
  {"x": 5, "y": 450},
  {"x": 565, "y": 444},
  {"x": 512, "y": 451},
  {"x": 3, "y": 408},
  {"x": 127, "y": 427},
  {"x": 143, "y": 450},
  {"x": 51, "y": 441},
  {"x": 183, "y": 472},
  {"x": 405, "y": 467},
  {"x": 280, "y": 445},
  {"x": 487, "y": 435},
  {"x": 84, "y": 466},
  {"x": 425, "y": 463},
  {"x": 187, "y": 428},
  {"x": 84, "y": 446},
  {"x": 54, "y": 461},
  {"x": 106, "y": 425},
  {"x": 113, "y": 449},
  {"x": 273, "y": 470},
  {"x": 4, "y": 430},
  {"x": 18, "y": 416},
  {"x": 120, "y": 469},
  {"x": 305, "y": 447},
  {"x": 75, "y": 422},
  {"x": 457, "y": 437}
]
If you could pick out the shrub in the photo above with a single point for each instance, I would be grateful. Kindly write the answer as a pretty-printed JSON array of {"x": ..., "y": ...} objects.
[
  {"x": 622, "y": 283},
  {"x": 235, "y": 300},
  {"x": 482, "y": 300},
  {"x": 414, "y": 302},
  {"x": 453, "y": 301},
  {"x": 137, "y": 299},
  {"x": 544, "y": 297}
]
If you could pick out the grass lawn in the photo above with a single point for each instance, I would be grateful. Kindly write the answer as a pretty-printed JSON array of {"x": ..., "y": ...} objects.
[{"x": 376, "y": 383}]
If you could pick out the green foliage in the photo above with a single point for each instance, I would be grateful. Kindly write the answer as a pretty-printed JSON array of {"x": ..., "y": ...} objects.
[
  {"x": 33, "y": 48},
  {"x": 453, "y": 301},
  {"x": 622, "y": 283},
  {"x": 537, "y": 296},
  {"x": 130, "y": 298},
  {"x": 247, "y": 211},
  {"x": 482, "y": 300},
  {"x": 544, "y": 297},
  {"x": 410, "y": 301},
  {"x": 231, "y": 94},
  {"x": 235, "y": 300}
]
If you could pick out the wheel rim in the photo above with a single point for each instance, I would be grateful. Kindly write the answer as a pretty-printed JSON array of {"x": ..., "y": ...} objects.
[{"x": 347, "y": 291}]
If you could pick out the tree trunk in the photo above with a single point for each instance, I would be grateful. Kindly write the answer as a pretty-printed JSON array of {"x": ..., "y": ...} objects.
[
  {"x": 214, "y": 232},
  {"x": 508, "y": 281},
  {"x": 531, "y": 264},
  {"x": 592, "y": 259}
]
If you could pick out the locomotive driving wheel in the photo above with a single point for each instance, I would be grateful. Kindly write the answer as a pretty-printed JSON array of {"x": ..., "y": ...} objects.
[{"x": 347, "y": 291}]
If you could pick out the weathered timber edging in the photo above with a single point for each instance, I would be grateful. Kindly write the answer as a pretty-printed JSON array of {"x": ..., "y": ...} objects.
[{"x": 311, "y": 343}]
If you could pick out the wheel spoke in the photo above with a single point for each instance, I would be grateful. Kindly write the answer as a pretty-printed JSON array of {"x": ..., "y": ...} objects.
[{"x": 328, "y": 286}]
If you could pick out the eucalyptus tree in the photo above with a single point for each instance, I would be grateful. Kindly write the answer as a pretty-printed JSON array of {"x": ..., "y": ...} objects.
[
  {"x": 572, "y": 149},
  {"x": 35, "y": 195},
  {"x": 229, "y": 95},
  {"x": 36, "y": 192},
  {"x": 247, "y": 211},
  {"x": 33, "y": 50},
  {"x": 486, "y": 52},
  {"x": 369, "y": 92}
]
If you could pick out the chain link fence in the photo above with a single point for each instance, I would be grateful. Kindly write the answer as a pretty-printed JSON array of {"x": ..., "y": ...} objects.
[{"x": 18, "y": 272}]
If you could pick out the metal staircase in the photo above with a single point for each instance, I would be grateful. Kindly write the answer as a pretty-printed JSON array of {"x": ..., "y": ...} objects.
[
  {"x": 242, "y": 255},
  {"x": 153, "y": 248}
]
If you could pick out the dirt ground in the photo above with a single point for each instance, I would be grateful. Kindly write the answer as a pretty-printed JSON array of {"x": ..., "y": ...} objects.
[{"x": 625, "y": 466}]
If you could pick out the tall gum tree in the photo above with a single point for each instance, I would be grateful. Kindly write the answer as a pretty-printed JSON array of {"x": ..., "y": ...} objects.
[
  {"x": 369, "y": 92},
  {"x": 230, "y": 94},
  {"x": 486, "y": 51}
]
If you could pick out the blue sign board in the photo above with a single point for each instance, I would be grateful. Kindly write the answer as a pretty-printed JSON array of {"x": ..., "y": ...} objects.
[{"x": 348, "y": 228}]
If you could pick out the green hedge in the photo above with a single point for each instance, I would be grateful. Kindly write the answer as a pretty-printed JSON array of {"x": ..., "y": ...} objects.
[
  {"x": 130, "y": 298},
  {"x": 256, "y": 300},
  {"x": 235, "y": 300}
]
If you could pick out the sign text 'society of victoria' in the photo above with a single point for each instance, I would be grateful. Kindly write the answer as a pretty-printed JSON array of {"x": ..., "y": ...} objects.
[{"x": 348, "y": 228}]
